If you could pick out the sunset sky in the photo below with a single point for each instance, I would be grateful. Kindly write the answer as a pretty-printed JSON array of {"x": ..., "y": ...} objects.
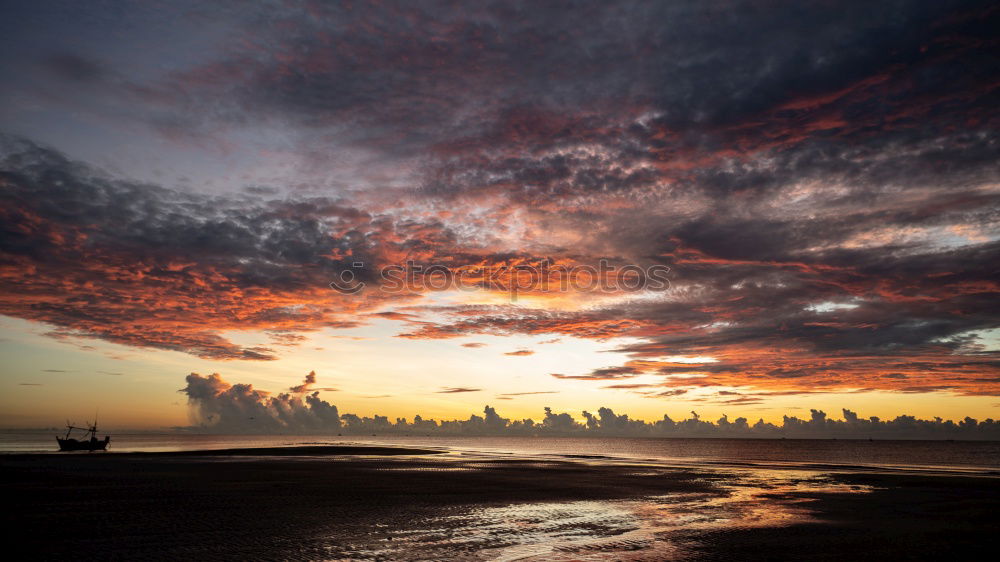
[{"x": 180, "y": 182}]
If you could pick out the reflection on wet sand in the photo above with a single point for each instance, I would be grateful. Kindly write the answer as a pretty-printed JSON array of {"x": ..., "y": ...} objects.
[
  {"x": 358, "y": 504},
  {"x": 655, "y": 527}
]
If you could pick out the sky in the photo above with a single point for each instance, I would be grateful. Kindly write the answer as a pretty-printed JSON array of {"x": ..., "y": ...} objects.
[{"x": 737, "y": 208}]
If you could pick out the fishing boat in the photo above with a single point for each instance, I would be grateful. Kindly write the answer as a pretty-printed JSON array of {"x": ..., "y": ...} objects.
[{"x": 68, "y": 443}]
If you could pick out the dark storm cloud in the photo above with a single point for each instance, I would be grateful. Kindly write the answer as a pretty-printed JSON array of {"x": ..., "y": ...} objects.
[
  {"x": 167, "y": 224},
  {"x": 524, "y": 80},
  {"x": 820, "y": 178},
  {"x": 142, "y": 265},
  {"x": 492, "y": 88},
  {"x": 701, "y": 64}
]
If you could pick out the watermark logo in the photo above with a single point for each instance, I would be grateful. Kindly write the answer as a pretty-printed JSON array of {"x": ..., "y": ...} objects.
[
  {"x": 347, "y": 282},
  {"x": 513, "y": 279}
]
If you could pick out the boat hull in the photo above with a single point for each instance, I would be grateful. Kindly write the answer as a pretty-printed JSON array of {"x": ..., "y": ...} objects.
[{"x": 85, "y": 445}]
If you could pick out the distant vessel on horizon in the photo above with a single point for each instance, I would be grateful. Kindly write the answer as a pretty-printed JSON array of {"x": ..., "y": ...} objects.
[{"x": 68, "y": 443}]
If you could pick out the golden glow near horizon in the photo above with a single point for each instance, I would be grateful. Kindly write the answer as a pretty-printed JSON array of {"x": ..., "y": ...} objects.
[{"x": 50, "y": 380}]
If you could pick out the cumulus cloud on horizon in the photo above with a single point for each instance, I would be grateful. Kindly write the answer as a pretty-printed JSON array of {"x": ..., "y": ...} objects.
[{"x": 220, "y": 407}]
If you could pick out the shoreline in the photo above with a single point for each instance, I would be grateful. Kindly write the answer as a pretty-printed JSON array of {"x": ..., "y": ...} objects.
[
  {"x": 362, "y": 449},
  {"x": 291, "y": 450}
]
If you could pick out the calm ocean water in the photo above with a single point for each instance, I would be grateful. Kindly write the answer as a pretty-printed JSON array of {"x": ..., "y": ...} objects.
[{"x": 961, "y": 455}]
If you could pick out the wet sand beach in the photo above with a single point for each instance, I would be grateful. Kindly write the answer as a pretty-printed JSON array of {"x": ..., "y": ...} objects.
[{"x": 383, "y": 503}]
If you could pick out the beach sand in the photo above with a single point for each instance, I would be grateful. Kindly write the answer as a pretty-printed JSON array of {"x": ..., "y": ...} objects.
[{"x": 384, "y": 503}]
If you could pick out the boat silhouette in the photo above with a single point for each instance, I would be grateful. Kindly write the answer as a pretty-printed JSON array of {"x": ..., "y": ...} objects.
[{"x": 68, "y": 443}]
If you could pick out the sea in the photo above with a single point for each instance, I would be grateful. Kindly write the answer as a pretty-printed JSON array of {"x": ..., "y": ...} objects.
[{"x": 820, "y": 454}]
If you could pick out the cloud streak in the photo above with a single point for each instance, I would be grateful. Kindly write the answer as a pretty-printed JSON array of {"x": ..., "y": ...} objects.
[{"x": 458, "y": 390}]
